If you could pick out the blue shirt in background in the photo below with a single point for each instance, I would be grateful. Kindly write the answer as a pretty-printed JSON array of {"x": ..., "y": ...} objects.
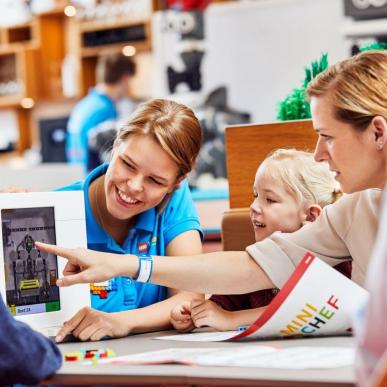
[
  {"x": 25, "y": 355},
  {"x": 152, "y": 232},
  {"x": 90, "y": 111}
]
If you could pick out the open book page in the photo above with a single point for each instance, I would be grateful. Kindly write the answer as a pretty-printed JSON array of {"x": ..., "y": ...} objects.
[
  {"x": 316, "y": 300},
  {"x": 244, "y": 356}
]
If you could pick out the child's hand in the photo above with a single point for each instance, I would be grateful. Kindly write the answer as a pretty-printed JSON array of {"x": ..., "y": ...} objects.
[
  {"x": 181, "y": 318},
  {"x": 206, "y": 313}
]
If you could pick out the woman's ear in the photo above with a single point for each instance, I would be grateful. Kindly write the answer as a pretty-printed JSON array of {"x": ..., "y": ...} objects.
[
  {"x": 178, "y": 182},
  {"x": 313, "y": 212},
  {"x": 379, "y": 126}
]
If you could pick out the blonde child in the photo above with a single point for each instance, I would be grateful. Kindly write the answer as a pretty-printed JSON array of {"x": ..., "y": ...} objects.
[{"x": 290, "y": 189}]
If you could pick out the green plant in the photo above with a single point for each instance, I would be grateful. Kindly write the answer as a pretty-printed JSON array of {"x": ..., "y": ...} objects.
[{"x": 295, "y": 106}]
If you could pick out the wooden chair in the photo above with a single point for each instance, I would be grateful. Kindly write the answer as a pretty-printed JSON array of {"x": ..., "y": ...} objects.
[{"x": 246, "y": 147}]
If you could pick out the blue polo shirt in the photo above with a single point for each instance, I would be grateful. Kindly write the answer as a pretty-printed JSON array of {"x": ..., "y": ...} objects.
[
  {"x": 151, "y": 232},
  {"x": 89, "y": 112}
]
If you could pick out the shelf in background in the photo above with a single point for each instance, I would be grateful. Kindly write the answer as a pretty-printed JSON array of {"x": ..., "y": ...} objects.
[
  {"x": 113, "y": 48},
  {"x": 87, "y": 40},
  {"x": 364, "y": 28},
  {"x": 100, "y": 25}
]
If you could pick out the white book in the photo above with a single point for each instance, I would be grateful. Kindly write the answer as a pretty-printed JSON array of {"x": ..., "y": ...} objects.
[
  {"x": 317, "y": 300},
  {"x": 262, "y": 356}
]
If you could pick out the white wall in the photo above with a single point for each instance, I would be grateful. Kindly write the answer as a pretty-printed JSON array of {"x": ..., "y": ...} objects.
[
  {"x": 259, "y": 48},
  {"x": 42, "y": 177}
]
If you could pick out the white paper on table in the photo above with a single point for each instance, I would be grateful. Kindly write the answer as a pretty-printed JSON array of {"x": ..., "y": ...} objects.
[
  {"x": 201, "y": 336},
  {"x": 317, "y": 300},
  {"x": 244, "y": 356}
]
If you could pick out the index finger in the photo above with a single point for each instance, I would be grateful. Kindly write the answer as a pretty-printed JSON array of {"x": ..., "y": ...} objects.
[{"x": 54, "y": 249}]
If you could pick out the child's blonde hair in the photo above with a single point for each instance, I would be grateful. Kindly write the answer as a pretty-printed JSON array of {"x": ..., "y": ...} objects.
[{"x": 311, "y": 182}]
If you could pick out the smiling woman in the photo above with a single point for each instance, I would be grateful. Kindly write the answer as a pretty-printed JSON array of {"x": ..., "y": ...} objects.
[
  {"x": 140, "y": 203},
  {"x": 141, "y": 176}
]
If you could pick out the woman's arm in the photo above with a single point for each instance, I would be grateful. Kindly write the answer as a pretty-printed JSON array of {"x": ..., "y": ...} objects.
[
  {"x": 157, "y": 316},
  {"x": 89, "y": 324},
  {"x": 93, "y": 325},
  {"x": 223, "y": 272}
]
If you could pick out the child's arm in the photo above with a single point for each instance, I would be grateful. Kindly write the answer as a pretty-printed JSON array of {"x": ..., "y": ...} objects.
[
  {"x": 25, "y": 355},
  {"x": 208, "y": 313}
]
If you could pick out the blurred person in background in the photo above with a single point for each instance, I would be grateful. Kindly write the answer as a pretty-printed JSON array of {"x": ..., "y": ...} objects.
[{"x": 113, "y": 74}]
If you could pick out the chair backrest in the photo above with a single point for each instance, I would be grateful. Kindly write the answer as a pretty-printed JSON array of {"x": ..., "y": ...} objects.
[
  {"x": 237, "y": 230},
  {"x": 248, "y": 145}
]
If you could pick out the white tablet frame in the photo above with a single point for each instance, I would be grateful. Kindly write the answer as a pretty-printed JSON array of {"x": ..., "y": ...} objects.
[{"x": 70, "y": 227}]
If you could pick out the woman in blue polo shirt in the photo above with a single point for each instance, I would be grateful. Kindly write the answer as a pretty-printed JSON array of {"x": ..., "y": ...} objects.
[{"x": 140, "y": 203}]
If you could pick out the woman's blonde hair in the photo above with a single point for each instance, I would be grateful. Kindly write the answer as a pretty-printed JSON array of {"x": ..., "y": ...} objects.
[
  {"x": 358, "y": 86},
  {"x": 309, "y": 181},
  {"x": 172, "y": 125}
]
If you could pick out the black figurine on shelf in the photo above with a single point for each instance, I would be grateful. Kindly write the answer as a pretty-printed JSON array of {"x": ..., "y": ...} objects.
[{"x": 190, "y": 27}]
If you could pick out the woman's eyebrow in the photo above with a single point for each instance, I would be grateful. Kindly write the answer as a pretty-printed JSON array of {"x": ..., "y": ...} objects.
[
  {"x": 165, "y": 180},
  {"x": 128, "y": 158}
]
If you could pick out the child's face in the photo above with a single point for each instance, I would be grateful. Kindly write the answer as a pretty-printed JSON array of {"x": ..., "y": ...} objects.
[
  {"x": 273, "y": 208},
  {"x": 139, "y": 176}
]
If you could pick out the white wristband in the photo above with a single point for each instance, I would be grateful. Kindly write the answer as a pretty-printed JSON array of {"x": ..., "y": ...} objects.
[{"x": 145, "y": 263}]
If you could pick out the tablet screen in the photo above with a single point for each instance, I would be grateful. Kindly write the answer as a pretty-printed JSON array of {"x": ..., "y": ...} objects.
[{"x": 30, "y": 275}]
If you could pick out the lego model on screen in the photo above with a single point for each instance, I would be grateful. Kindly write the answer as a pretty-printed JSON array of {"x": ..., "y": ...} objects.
[{"x": 30, "y": 275}]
